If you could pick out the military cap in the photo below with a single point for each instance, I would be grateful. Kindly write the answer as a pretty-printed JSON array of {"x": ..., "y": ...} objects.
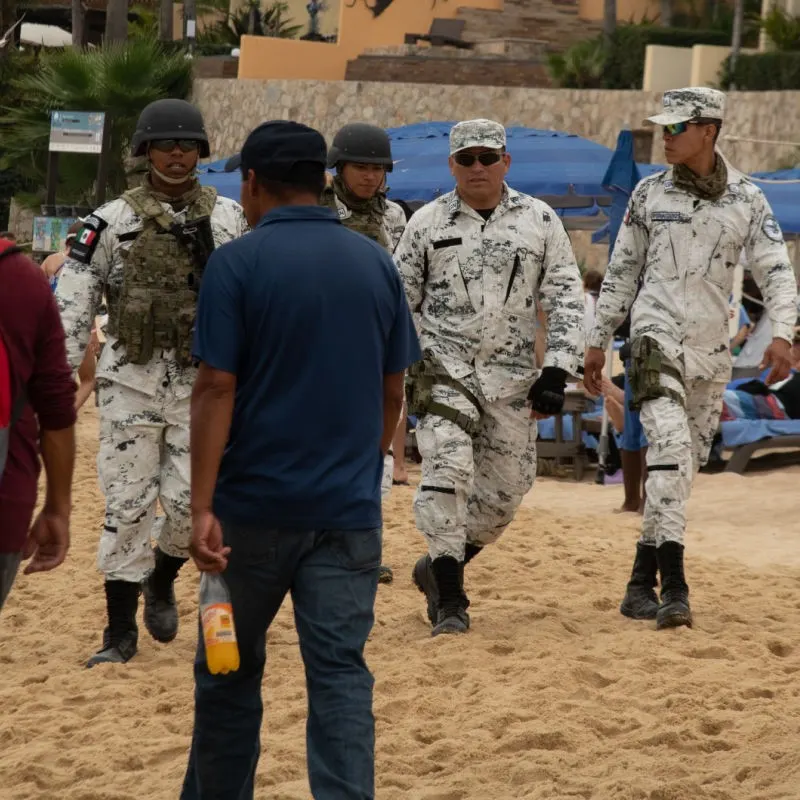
[
  {"x": 695, "y": 102},
  {"x": 477, "y": 133},
  {"x": 274, "y": 148}
]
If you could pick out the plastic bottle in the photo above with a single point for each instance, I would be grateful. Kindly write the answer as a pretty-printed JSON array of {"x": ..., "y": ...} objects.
[{"x": 219, "y": 633}]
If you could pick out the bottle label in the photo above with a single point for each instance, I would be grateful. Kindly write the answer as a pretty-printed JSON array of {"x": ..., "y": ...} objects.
[{"x": 218, "y": 624}]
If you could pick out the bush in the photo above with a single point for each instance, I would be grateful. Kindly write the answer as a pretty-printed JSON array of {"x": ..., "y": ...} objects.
[
  {"x": 119, "y": 79},
  {"x": 581, "y": 66},
  {"x": 619, "y": 63},
  {"x": 783, "y": 30},
  {"x": 625, "y": 65},
  {"x": 763, "y": 72}
]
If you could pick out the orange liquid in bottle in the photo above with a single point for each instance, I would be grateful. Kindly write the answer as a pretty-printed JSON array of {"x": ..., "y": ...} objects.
[{"x": 219, "y": 633}]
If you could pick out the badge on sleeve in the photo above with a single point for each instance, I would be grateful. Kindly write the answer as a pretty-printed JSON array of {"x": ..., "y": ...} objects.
[
  {"x": 771, "y": 228},
  {"x": 85, "y": 243}
]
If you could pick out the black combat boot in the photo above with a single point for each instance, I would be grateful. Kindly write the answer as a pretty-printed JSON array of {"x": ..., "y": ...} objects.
[
  {"x": 121, "y": 635},
  {"x": 425, "y": 581},
  {"x": 385, "y": 574},
  {"x": 641, "y": 601},
  {"x": 674, "y": 610},
  {"x": 451, "y": 615},
  {"x": 160, "y": 609}
]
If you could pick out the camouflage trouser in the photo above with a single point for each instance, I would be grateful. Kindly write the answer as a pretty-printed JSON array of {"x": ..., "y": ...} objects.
[
  {"x": 471, "y": 487},
  {"x": 679, "y": 441},
  {"x": 143, "y": 457},
  {"x": 388, "y": 475}
]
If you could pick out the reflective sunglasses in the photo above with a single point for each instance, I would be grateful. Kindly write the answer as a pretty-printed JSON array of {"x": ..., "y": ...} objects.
[
  {"x": 468, "y": 159},
  {"x": 168, "y": 145},
  {"x": 678, "y": 128}
]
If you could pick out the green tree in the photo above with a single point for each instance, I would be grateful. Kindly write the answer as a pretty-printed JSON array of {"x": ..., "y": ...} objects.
[
  {"x": 119, "y": 79},
  {"x": 251, "y": 20}
]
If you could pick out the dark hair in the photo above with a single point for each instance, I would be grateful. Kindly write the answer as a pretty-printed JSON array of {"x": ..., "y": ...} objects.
[
  {"x": 592, "y": 280},
  {"x": 305, "y": 177},
  {"x": 717, "y": 123}
]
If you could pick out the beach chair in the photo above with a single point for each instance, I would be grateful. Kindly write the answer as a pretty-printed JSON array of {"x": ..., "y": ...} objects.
[{"x": 443, "y": 32}]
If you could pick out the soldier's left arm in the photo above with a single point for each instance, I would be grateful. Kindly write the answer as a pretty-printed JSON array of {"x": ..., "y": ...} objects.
[
  {"x": 397, "y": 224},
  {"x": 80, "y": 286},
  {"x": 768, "y": 261},
  {"x": 561, "y": 298}
]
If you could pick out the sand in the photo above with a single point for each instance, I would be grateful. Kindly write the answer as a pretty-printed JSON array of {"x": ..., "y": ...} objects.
[{"x": 551, "y": 695}]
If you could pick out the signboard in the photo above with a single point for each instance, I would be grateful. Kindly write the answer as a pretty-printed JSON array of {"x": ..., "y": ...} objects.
[
  {"x": 50, "y": 233},
  {"x": 76, "y": 131}
]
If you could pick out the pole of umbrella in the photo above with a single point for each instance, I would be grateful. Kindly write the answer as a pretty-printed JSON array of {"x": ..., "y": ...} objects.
[{"x": 602, "y": 448}]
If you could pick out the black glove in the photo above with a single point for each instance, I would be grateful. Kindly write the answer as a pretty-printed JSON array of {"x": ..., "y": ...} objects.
[
  {"x": 547, "y": 394},
  {"x": 625, "y": 351}
]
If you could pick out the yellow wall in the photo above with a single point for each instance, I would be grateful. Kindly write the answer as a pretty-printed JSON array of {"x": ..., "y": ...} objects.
[
  {"x": 627, "y": 10},
  {"x": 673, "y": 67},
  {"x": 264, "y": 58},
  {"x": 666, "y": 68},
  {"x": 636, "y": 10}
]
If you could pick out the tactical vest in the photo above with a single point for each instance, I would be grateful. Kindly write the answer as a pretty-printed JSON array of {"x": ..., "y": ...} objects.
[{"x": 156, "y": 306}]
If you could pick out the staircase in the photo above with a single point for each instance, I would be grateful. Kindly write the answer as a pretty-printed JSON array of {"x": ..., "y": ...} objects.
[
  {"x": 552, "y": 22},
  {"x": 510, "y": 48}
]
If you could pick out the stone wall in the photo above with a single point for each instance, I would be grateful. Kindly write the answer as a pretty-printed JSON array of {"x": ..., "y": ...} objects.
[
  {"x": 473, "y": 71},
  {"x": 233, "y": 108}
]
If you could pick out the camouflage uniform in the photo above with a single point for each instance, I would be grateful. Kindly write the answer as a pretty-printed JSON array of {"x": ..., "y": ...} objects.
[
  {"x": 144, "y": 408},
  {"x": 474, "y": 286},
  {"x": 688, "y": 250},
  {"x": 394, "y": 219}
]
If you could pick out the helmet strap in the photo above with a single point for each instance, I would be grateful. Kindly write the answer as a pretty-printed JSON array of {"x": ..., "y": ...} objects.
[{"x": 174, "y": 181}]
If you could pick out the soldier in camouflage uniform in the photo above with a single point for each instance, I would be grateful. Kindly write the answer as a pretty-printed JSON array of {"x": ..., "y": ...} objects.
[
  {"x": 683, "y": 234},
  {"x": 477, "y": 265},
  {"x": 362, "y": 156},
  {"x": 146, "y": 250}
]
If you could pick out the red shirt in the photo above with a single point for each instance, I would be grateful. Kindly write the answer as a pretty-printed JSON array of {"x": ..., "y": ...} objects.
[{"x": 34, "y": 339}]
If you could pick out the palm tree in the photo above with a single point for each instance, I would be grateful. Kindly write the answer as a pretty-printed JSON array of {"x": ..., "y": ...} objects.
[
  {"x": 78, "y": 24},
  {"x": 165, "y": 27},
  {"x": 666, "y": 13},
  {"x": 116, "y": 21},
  {"x": 120, "y": 79},
  {"x": 609, "y": 18},
  {"x": 736, "y": 38}
]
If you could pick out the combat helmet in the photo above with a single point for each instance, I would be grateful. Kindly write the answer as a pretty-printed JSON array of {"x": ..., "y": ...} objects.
[
  {"x": 169, "y": 119},
  {"x": 359, "y": 143}
]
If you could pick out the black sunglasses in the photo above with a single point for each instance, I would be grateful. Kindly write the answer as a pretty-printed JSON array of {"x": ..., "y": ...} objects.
[
  {"x": 168, "y": 145},
  {"x": 468, "y": 159}
]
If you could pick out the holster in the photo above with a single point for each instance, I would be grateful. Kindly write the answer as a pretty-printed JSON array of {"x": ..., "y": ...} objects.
[
  {"x": 647, "y": 364},
  {"x": 420, "y": 381}
]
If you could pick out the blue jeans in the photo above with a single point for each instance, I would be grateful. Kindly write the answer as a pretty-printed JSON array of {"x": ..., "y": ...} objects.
[
  {"x": 633, "y": 436},
  {"x": 333, "y": 579}
]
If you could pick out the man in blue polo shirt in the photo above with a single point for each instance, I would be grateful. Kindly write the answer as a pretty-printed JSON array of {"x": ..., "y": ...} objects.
[{"x": 303, "y": 336}]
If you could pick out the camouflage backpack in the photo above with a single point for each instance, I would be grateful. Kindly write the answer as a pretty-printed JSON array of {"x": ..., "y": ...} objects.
[{"x": 156, "y": 306}]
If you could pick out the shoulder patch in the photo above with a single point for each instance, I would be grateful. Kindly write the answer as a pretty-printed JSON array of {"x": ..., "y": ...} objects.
[
  {"x": 546, "y": 216},
  {"x": 668, "y": 184},
  {"x": 771, "y": 228},
  {"x": 86, "y": 241}
]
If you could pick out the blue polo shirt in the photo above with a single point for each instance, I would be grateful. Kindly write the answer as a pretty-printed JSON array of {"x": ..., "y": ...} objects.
[{"x": 309, "y": 316}]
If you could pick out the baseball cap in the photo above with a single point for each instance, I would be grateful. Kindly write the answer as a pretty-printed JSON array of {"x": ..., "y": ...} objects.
[
  {"x": 477, "y": 133},
  {"x": 274, "y": 148},
  {"x": 694, "y": 102}
]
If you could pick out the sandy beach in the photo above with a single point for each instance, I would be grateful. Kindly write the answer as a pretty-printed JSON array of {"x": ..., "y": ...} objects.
[{"x": 552, "y": 694}]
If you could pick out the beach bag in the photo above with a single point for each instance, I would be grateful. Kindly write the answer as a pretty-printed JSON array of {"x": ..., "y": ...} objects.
[{"x": 10, "y": 407}]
